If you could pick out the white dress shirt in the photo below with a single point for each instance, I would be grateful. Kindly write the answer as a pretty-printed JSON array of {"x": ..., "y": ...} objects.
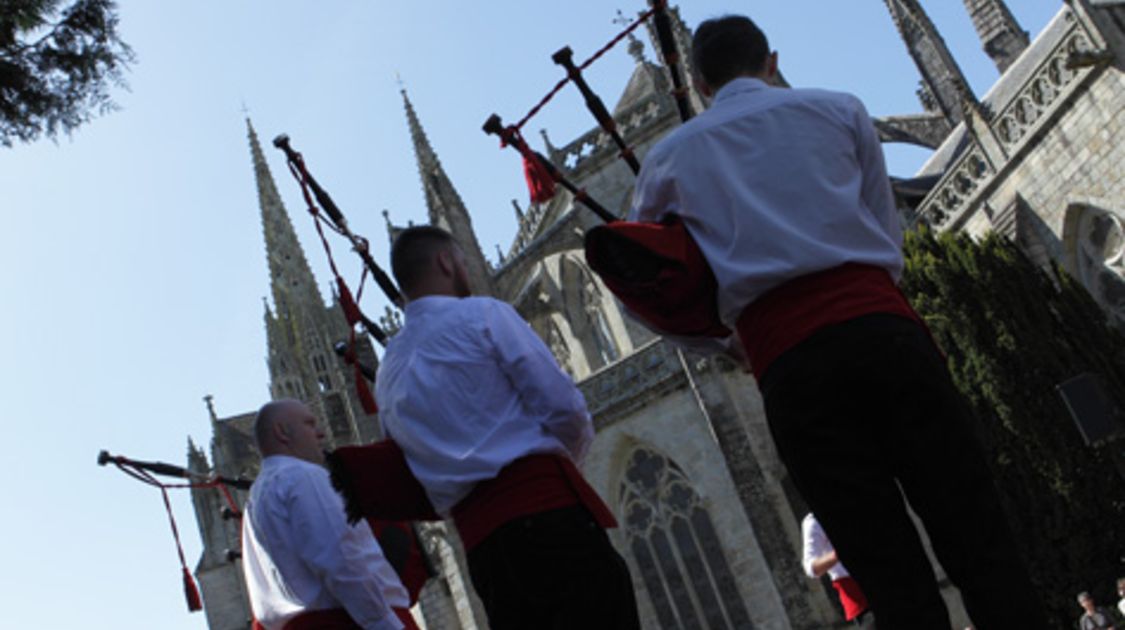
[
  {"x": 299, "y": 554},
  {"x": 816, "y": 545},
  {"x": 467, "y": 387},
  {"x": 774, "y": 184}
]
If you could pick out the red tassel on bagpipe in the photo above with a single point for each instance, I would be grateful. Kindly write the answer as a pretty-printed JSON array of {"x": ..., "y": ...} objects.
[
  {"x": 194, "y": 602},
  {"x": 540, "y": 183}
]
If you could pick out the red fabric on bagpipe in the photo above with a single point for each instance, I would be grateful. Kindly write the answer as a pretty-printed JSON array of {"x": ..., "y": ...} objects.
[
  {"x": 376, "y": 482},
  {"x": 403, "y": 550},
  {"x": 658, "y": 271},
  {"x": 378, "y": 486}
]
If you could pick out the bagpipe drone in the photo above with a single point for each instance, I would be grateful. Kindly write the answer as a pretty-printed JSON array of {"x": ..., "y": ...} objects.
[
  {"x": 399, "y": 538},
  {"x": 655, "y": 269}
]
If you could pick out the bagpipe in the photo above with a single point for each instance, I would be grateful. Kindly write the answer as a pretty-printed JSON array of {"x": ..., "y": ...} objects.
[
  {"x": 146, "y": 472},
  {"x": 655, "y": 269},
  {"x": 374, "y": 476},
  {"x": 326, "y": 213},
  {"x": 398, "y": 537}
]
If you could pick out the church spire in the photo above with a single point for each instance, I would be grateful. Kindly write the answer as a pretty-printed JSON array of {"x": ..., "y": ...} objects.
[
  {"x": 942, "y": 80},
  {"x": 291, "y": 280},
  {"x": 1000, "y": 35},
  {"x": 445, "y": 207}
]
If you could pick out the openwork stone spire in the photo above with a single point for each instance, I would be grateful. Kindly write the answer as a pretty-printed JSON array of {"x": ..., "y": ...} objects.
[
  {"x": 1000, "y": 35},
  {"x": 446, "y": 210},
  {"x": 291, "y": 279},
  {"x": 942, "y": 80}
]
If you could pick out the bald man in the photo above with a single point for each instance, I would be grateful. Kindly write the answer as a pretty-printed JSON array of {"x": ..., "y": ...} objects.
[{"x": 305, "y": 567}]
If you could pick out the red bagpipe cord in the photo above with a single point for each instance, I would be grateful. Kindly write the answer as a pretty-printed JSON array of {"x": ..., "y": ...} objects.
[
  {"x": 348, "y": 303},
  {"x": 191, "y": 591},
  {"x": 351, "y": 313}
]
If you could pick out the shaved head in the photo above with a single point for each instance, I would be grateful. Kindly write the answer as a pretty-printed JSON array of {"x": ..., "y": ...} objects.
[{"x": 288, "y": 427}]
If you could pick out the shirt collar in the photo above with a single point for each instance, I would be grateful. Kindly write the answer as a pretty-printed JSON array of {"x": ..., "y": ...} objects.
[
  {"x": 275, "y": 461},
  {"x": 427, "y": 304},
  {"x": 741, "y": 85}
]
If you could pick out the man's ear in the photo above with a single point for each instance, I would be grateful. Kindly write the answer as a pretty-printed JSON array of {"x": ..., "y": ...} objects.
[
  {"x": 281, "y": 432},
  {"x": 701, "y": 85},
  {"x": 771, "y": 66},
  {"x": 445, "y": 262}
]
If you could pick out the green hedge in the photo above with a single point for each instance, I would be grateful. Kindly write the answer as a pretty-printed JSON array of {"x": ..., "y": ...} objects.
[{"x": 1012, "y": 332}]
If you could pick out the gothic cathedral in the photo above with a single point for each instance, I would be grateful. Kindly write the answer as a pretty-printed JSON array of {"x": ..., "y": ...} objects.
[{"x": 709, "y": 522}]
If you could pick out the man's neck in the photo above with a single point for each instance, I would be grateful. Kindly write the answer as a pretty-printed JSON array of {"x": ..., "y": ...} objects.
[{"x": 431, "y": 292}]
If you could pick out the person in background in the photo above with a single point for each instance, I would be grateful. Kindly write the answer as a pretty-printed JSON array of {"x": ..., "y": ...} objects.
[
  {"x": 820, "y": 558},
  {"x": 1094, "y": 617}
]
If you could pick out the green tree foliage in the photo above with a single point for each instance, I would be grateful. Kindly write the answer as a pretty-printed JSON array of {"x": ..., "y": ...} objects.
[
  {"x": 1012, "y": 332},
  {"x": 57, "y": 65}
]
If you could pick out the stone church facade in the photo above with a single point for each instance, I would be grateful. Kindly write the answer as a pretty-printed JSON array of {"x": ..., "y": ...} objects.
[{"x": 709, "y": 520}]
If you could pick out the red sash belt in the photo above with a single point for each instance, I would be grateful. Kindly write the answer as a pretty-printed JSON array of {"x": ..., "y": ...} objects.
[
  {"x": 529, "y": 485},
  {"x": 851, "y": 598},
  {"x": 790, "y": 313},
  {"x": 337, "y": 619}
]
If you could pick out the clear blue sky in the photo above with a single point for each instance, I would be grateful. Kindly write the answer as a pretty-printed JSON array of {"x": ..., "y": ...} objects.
[{"x": 131, "y": 255}]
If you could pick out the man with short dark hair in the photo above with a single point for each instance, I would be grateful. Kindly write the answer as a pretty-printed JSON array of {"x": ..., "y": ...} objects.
[
  {"x": 305, "y": 567},
  {"x": 492, "y": 428},
  {"x": 424, "y": 258},
  {"x": 787, "y": 196}
]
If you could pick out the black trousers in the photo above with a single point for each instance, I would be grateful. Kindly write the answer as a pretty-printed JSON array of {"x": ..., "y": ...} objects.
[
  {"x": 863, "y": 408},
  {"x": 554, "y": 570}
]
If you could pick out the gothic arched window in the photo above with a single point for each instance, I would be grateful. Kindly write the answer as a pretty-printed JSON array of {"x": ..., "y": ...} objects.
[
  {"x": 1101, "y": 258},
  {"x": 673, "y": 541}
]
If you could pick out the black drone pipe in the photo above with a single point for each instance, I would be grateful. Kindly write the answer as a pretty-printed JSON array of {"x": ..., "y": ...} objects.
[
  {"x": 341, "y": 349},
  {"x": 168, "y": 470},
  {"x": 384, "y": 281},
  {"x": 565, "y": 58},
  {"x": 671, "y": 54}
]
